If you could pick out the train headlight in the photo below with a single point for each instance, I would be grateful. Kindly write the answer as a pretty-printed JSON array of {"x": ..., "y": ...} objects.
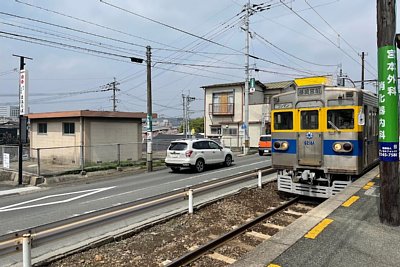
[
  {"x": 337, "y": 147},
  {"x": 277, "y": 145},
  {"x": 281, "y": 145},
  {"x": 284, "y": 145},
  {"x": 347, "y": 147},
  {"x": 342, "y": 147}
]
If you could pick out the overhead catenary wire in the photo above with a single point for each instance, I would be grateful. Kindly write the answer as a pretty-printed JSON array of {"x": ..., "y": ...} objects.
[
  {"x": 323, "y": 35},
  {"x": 197, "y": 36},
  {"x": 294, "y": 56},
  {"x": 339, "y": 35}
]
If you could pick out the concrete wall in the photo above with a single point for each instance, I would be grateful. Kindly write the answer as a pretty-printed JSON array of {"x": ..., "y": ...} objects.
[
  {"x": 104, "y": 135},
  {"x": 101, "y": 136},
  {"x": 70, "y": 154}
]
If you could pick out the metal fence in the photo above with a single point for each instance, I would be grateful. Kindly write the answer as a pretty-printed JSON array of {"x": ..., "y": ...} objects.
[{"x": 71, "y": 159}]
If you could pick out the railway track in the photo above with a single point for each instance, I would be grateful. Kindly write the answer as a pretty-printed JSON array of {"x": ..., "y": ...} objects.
[
  {"x": 214, "y": 235},
  {"x": 227, "y": 248},
  {"x": 11, "y": 243}
]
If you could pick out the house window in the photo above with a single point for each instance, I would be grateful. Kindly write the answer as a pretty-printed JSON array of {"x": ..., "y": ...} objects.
[
  {"x": 222, "y": 103},
  {"x": 69, "y": 128},
  {"x": 230, "y": 131},
  {"x": 42, "y": 128},
  {"x": 216, "y": 130}
]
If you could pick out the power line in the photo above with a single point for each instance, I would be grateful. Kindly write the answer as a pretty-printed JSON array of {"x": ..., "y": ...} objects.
[
  {"x": 197, "y": 36},
  {"x": 63, "y": 44},
  {"x": 339, "y": 35},
  {"x": 312, "y": 26},
  {"x": 164, "y": 24},
  {"x": 296, "y": 57}
]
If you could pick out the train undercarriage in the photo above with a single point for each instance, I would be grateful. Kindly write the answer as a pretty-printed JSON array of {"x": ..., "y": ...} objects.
[{"x": 313, "y": 183}]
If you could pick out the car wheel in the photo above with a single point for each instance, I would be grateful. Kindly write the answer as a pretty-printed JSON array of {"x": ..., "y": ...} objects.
[
  {"x": 199, "y": 165},
  {"x": 175, "y": 169},
  {"x": 228, "y": 160},
  {"x": 260, "y": 153}
]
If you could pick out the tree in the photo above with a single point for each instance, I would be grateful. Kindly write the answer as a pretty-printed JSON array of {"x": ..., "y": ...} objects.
[{"x": 196, "y": 124}]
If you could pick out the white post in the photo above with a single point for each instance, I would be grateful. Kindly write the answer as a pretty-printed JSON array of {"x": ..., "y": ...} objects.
[
  {"x": 259, "y": 179},
  {"x": 190, "y": 195},
  {"x": 26, "y": 250}
]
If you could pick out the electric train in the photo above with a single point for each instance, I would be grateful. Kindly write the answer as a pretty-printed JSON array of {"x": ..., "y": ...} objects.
[{"x": 323, "y": 137}]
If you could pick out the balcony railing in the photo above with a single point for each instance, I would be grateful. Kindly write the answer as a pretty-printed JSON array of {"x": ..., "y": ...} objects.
[{"x": 221, "y": 109}]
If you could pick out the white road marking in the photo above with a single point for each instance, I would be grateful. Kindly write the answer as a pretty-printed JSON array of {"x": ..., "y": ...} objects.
[
  {"x": 176, "y": 181},
  {"x": 82, "y": 194}
]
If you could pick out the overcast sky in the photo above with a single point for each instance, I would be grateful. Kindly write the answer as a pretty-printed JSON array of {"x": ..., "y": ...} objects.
[{"x": 79, "y": 46}]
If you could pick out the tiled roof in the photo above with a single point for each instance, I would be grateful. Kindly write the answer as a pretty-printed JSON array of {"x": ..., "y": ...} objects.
[
  {"x": 278, "y": 85},
  {"x": 231, "y": 84}
]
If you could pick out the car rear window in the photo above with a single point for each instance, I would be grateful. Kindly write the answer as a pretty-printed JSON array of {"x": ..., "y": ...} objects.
[
  {"x": 178, "y": 146},
  {"x": 265, "y": 138}
]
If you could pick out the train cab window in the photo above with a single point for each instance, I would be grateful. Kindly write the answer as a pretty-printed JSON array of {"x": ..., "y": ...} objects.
[
  {"x": 341, "y": 118},
  {"x": 283, "y": 120},
  {"x": 309, "y": 120}
]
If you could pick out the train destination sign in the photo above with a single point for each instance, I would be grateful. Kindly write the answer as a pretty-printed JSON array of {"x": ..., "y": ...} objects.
[
  {"x": 387, "y": 100},
  {"x": 314, "y": 90}
]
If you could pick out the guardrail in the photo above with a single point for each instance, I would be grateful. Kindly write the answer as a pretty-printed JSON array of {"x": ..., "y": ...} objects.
[{"x": 12, "y": 242}]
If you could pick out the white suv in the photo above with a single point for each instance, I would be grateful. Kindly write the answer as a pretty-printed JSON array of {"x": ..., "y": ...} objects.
[{"x": 196, "y": 153}]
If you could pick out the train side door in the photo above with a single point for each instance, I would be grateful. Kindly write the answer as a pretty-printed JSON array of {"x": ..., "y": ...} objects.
[{"x": 310, "y": 138}]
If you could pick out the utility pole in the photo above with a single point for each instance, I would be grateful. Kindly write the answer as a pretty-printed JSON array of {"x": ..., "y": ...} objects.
[
  {"x": 246, "y": 81},
  {"x": 186, "y": 99},
  {"x": 362, "y": 69},
  {"x": 184, "y": 131},
  {"x": 23, "y": 110},
  {"x": 149, "y": 113},
  {"x": 114, "y": 88},
  {"x": 388, "y": 113}
]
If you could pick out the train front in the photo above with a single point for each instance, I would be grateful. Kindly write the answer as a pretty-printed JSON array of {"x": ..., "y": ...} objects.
[{"x": 318, "y": 139}]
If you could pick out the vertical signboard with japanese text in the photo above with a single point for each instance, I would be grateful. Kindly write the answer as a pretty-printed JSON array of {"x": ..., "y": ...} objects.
[
  {"x": 388, "y": 104},
  {"x": 23, "y": 92}
]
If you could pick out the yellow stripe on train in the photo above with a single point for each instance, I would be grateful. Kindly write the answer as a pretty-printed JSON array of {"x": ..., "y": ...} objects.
[{"x": 322, "y": 118}]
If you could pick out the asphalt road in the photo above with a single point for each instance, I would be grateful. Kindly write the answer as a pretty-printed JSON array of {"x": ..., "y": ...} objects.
[{"x": 53, "y": 204}]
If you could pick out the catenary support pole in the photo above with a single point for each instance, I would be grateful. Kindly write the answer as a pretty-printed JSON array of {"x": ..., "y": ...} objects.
[
  {"x": 149, "y": 113},
  {"x": 362, "y": 69},
  {"x": 246, "y": 82},
  {"x": 388, "y": 113}
]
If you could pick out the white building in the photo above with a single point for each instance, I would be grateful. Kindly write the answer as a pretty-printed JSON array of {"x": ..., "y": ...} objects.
[
  {"x": 224, "y": 111},
  {"x": 9, "y": 112}
]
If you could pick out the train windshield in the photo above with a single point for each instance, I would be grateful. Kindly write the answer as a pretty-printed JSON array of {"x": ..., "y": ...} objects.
[
  {"x": 283, "y": 120},
  {"x": 309, "y": 120},
  {"x": 341, "y": 118}
]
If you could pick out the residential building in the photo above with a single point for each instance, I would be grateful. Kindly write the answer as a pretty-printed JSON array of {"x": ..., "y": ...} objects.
[
  {"x": 9, "y": 112},
  {"x": 224, "y": 111},
  {"x": 84, "y": 135}
]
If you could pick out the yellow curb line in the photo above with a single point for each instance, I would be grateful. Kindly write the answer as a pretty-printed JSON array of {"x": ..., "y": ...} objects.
[{"x": 313, "y": 233}]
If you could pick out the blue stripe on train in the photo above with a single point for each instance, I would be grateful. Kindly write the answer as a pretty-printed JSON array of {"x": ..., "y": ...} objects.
[
  {"x": 327, "y": 148},
  {"x": 357, "y": 148},
  {"x": 292, "y": 146}
]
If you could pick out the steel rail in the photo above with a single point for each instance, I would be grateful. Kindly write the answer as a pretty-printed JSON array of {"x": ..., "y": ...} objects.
[
  {"x": 12, "y": 242},
  {"x": 195, "y": 254}
]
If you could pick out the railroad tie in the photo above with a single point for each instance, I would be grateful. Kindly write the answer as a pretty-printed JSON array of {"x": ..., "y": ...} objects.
[
  {"x": 193, "y": 248},
  {"x": 217, "y": 256},
  {"x": 274, "y": 226},
  {"x": 292, "y": 212},
  {"x": 258, "y": 235},
  {"x": 302, "y": 206}
]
